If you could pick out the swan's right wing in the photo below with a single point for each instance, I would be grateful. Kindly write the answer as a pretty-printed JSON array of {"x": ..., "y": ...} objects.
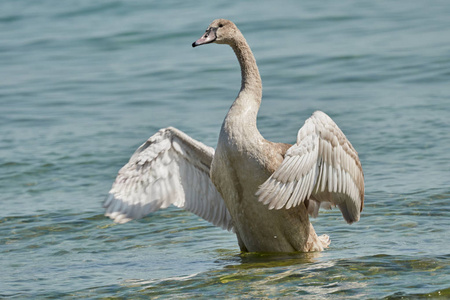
[
  {"x": 321, "y": 169},
  {"x": 170, "y": 168}
]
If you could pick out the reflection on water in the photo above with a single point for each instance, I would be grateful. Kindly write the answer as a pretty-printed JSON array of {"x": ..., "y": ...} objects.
[
  {"x": 268, "y": 260},
  {"x": 300, "y": 275}
]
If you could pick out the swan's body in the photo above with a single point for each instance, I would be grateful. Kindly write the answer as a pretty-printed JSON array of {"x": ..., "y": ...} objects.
[{"x": 263, "y": 191}]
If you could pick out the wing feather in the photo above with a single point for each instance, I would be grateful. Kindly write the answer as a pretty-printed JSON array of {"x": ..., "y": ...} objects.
[
  {"x": 170, "y": 168},
  {"x": 322, "y": 167}
]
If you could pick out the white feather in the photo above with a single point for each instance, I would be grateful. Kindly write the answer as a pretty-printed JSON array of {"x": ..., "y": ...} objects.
[
  {"x": 170, "y": 168},
  {"x": 322, "y": 165}
]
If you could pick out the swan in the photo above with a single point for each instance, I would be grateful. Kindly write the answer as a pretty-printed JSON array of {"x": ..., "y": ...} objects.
[{"x": 262, "y": 191}]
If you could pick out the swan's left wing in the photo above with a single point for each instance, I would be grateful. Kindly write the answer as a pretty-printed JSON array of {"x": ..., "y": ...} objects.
[
  {"x": 322, "y": 168},
  {"x": 170, "y": 168}
]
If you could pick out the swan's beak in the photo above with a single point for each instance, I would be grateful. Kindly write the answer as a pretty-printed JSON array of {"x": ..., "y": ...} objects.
[{"x": 208, "y": 37}]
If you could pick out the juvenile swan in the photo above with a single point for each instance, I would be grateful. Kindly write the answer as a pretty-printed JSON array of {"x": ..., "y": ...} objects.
[{"x": 262, "y": 191}]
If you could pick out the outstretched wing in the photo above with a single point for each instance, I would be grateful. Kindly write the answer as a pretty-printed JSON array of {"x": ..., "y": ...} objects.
[
  {"x": 321, "y": 168},
  {"x": 170, "y": 168}
]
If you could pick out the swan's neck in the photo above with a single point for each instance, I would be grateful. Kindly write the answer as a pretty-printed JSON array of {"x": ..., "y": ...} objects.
[
  {"x": 251, "y": 80},
  {"x": 245, "y": 108}
]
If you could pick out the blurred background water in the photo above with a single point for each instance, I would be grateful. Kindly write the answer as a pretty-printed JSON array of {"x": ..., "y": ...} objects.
[{"x": 84, "y": 83}]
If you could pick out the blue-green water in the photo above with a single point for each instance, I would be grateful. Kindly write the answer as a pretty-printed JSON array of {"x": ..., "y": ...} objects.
[{"x": 84, "y": 83}]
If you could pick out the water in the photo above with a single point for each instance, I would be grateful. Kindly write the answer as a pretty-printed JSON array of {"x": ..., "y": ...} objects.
[{"x": 84, "y": 83}]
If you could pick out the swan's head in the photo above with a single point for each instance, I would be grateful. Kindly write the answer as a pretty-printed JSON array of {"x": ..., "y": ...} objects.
[{"x": 220, "y": 31}]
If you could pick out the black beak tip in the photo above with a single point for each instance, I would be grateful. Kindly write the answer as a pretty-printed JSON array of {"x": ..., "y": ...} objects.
[{"x": 193, "y": 45}]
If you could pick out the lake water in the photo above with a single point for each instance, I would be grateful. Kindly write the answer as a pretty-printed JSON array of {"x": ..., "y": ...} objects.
[{"x": 84, "y": 83}]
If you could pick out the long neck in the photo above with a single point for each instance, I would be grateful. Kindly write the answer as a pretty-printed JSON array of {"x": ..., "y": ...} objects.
[
  {"x": 251, "y": 80},
  {"x": 245, "y": 107}
]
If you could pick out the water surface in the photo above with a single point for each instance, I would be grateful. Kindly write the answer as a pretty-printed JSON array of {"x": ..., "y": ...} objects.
[{"x": 85, "y": 83}]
